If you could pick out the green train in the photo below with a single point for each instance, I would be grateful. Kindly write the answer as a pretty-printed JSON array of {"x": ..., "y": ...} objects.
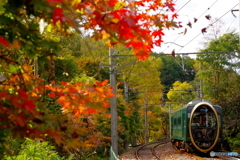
[{"x": 197, "y": 127}]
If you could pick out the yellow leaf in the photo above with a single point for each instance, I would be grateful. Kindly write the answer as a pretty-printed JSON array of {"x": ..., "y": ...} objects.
[
  {"x": 115, "y": 20},
  {"x": 49, "y": 28},
  {"x": 72, "y": 3},
  {"x": 105, "y": 35},
  {"x": 108, "y": 43}
]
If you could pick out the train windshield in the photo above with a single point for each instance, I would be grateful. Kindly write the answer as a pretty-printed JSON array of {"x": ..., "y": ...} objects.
[{"x": 204, "y": 117}]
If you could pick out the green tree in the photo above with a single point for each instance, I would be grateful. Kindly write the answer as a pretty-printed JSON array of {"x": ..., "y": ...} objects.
[
  {"x": 219, "y": 73},
  {"x": 172, "y": 70},
  {"x": 145, "y": 89},
  {"x": 181, "y": 94}
]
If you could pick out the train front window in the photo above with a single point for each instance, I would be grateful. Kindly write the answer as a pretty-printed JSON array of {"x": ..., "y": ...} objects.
[{"x": 203, "y": 117}]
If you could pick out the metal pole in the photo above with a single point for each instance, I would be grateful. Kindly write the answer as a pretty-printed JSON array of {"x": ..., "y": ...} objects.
[
  {"x": 169, "y": 108},
  {"x": 113, "y": 102},
  {"x": 146, "y": 120},
  {"x": 201, "y": 85},
  {"x": 126, "y": 91},
  {"x": 183, "y": 68}
]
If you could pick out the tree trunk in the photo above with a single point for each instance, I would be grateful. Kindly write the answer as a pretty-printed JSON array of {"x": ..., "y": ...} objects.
[{"x": 51, "y": 69}]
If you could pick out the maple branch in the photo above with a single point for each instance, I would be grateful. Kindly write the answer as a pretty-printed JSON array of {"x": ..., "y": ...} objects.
[{"x": 8, "y": 60}]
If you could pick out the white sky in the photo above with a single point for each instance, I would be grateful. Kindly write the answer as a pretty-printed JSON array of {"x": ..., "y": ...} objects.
[{"x": 190, "y": 9}]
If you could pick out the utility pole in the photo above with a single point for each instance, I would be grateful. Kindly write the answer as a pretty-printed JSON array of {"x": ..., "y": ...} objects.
[
  {"x": 146, "y": 120},
  {"x": 113, "y": 101},
  {"x": 126, "y": 91},
  {"x": 201, "y": 86},
  {"x": 170, "y": 123}
]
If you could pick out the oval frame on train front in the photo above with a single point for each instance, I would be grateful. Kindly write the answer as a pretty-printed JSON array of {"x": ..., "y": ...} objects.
[{"x": 217, "y": 125}]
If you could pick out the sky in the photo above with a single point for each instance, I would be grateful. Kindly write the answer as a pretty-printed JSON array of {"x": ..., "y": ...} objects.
[{"x": 220, "y": 10}]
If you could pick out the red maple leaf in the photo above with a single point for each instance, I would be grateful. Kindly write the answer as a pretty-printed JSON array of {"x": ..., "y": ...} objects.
[
  {"x": 157, "y": 33},
  {"x": 4, "y": 41},
  {"x": 52, "y": 95},
  {"x": 58, "y": 16},
  {"x": 22, "y": 94},
  {"x": 142, "y": 57},
  {"x": 170, "y": 6},
  {"x": 158, "y": 42},
  {"x": 91, "y": 110},
  {"x": 175, "y": 15},
  {"x": 20, "y": 119},
  {"x": 30, "y": 106},
  {"x": 112, "y": 2},
  {"x": 64, "y": 83},
  {"x": 134, "y": 44}
]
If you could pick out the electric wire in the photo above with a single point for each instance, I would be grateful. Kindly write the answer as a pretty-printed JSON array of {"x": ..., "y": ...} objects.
[
  {"x": 207, "y": 9},
  {"x": 176, "y": 13},
  {"x": 198, "y": 19},
  {"x": 206, "y": 28},
  {"x": 182, "y": 6},
  {"x": 229, "y": 27}
]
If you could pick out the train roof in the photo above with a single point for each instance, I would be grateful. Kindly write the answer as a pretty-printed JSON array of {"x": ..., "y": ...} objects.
[{"x": 192, "y": 104}]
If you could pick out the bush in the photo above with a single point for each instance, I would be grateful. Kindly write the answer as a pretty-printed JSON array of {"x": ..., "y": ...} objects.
[
  {"x": 235, "y": 143},
  {"x": 36, "y": 150}
]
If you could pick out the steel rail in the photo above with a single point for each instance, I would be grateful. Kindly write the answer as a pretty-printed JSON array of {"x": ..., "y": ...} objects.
[{"x": 153, "y": 152}]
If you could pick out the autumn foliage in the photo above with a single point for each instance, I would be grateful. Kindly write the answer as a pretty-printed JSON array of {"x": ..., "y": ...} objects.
[
  {"x": 23, "y": 110},
  {"x": 137, "y": 24}
]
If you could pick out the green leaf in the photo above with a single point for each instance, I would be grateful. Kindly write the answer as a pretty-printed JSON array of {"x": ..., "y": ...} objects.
[{"x": 13, "y": 68}]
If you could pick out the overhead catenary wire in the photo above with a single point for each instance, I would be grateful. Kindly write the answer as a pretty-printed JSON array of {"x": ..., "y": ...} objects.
[
  {"x": 186, "y": 53},
  {"x": 207, "y": 9},
  {"x": 230, "y": 24},
  {"x": 182, "y": 7}
]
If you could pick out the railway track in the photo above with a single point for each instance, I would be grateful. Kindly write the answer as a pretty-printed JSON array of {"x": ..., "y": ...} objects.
[
  {"x": 150, "y": 147},
  {"x": 165, "y": 151}
]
